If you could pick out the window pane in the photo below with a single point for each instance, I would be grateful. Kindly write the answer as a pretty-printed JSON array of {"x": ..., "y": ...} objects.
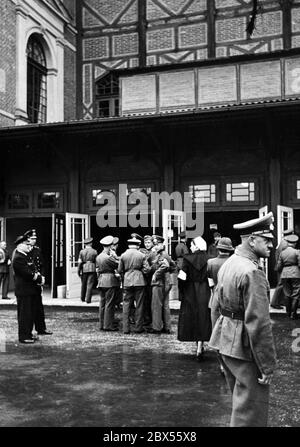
[
  {"x": 99, "y": 194},
  {"x": 298, "y": 189},
  {"x": 240, "y": 192},
  {"x": 49, "y": 200},
  {"x": 203, "y": 193},
  {"x": 18, "y": 201}
]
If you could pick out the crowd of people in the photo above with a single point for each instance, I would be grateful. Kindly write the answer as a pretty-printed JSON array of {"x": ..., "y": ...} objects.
[{"x": 224, "y": 298}]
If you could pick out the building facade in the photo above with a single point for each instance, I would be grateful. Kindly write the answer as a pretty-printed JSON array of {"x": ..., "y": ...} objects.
[{"x": 157, "y": 95}]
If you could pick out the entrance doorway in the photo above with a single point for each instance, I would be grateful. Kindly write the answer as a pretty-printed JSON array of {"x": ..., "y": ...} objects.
[
  {"x": 122, "y": 233},
  {"x": 223, "y": 223}
]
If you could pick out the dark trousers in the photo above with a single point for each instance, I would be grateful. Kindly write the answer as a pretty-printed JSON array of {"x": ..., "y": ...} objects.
[
  {"x": 278, "y": 295},
  {"x": 39, "y": 314},
  {"x": 25, "y": 312},
  {"x": 291, "y": 289},
  {"x": 87, "y": 282},
  {"x": 250, "y": 400},
  {"x": 147, "y": 305},
  {"x": 108, "y": 299},
  {"x": 132, "y": 294},
  {"x": 4, "y": 279}
]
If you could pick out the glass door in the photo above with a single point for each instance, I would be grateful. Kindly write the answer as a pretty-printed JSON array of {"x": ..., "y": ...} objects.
[
  {"x": 58, "y": 255},
  {"x": 77, "y": 229}
]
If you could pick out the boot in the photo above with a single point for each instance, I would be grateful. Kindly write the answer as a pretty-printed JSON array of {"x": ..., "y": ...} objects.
[
  {"x": 288, "y": 306},
  {"x": 294, "y": 309}
]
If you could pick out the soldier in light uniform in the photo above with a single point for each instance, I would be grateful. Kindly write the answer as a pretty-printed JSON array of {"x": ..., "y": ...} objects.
[
  {"x": 288, "y": 265},
  {"x": 132, "y": 267},
  {"x": 108, "y": 285},
  {"x": 35, "y": 256},
  {"x": 147, "y": 250},
  {"x": 87, "y": 269},
  {"x": 243, "y": 332},
  {"x": 161, "y": 267}
]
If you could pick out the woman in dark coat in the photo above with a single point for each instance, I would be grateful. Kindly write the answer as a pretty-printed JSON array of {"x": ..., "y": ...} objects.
[{"x": 194, "y": 323}]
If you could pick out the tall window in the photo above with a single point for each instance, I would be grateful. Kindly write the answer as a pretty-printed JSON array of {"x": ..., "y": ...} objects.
[
  {"x": 36, "y": 81},
  {"x": 107, "y": 96}
]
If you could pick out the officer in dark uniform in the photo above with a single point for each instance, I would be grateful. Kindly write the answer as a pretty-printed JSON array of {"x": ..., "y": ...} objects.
[
  {"x": 27, "y": 288},
  {"x": 87, "y": 269},
  {"x": 35, "y": 256}
]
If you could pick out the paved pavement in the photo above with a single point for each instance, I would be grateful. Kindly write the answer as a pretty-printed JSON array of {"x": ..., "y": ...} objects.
[{"x": 77, "y": 303}]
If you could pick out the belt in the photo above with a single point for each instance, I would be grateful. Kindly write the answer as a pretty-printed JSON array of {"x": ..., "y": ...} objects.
[{"x": 233, "y": 315}]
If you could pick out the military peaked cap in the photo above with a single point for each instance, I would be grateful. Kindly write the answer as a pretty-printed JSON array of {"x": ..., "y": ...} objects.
[
  {"x": 262, "y": 226},
  {"x": 107, "y": 240},
  {"x": 134, "y": 241},
  {"x": 30, "y": 233},
  {"x": 89, "y": 240},
  {"x": 292, "y": 238},
  {"x": 159, "y": 239},
  {"x": 116, "y": 240},
  {"x": 136, "y": 236},
  {"x": 21, "y": 239}
]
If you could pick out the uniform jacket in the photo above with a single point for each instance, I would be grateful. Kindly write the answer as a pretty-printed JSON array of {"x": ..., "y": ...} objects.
[
  {"x": 24, "y": 273},
  {"x": 180, "y": 251},
  {"x": 289, "y": 262},
  {"x": 213, "y": 267},
  {"x": 35, "y": 256},
  {"x": 162, "y": 265},
  {"x": 133, "y": 266},
  {"x": 106, "y": 266},
  {"x": 243, "y": 288},
  {"x": 87, "y": 260},
  {"x": 4, "y": 267}
]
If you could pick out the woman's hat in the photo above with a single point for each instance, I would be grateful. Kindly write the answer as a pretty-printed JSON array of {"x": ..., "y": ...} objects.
[{"x": 225, "y": 244}]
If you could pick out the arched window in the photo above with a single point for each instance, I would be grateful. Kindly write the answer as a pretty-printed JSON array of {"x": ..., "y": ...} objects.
[
  {"x": 107, "y": 96},
  {"x": 36, "y": 81}
]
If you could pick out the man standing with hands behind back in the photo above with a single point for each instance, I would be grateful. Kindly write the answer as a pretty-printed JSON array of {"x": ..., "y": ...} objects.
[
  {"x": 35, "y": 257},
  {"x": 243, "y": 332}
]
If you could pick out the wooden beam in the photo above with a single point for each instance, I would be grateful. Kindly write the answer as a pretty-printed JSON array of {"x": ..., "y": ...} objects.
[
  {"x": 211, "y": 29},
  {"x": 142, "y": 27},
  {"x": 286, "y": 23}
]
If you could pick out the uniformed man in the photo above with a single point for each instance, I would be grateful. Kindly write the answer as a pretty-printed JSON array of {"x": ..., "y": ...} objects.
[
  {"x": 4, "y": 269},
  {"x": 212, "y": 251},
  {"x": 27, "y": 289},
  {"x": 288, "y": 265},
  {"x": 225, "y": 249},
  {"x": 243, "y": 332},
  {"x": 181, "y": 249},
  {"x": 87, "y": 269},
  {"x": 36, "y": 258},
  {"x": 278, "y": 296},
  {"x": 132, "y": 267},
  {"x": 161, "y": 267},
  {"x": 147, "y": 250},
  {"x": 108, "y": 285},
  {"x": 113, "y": 252}
]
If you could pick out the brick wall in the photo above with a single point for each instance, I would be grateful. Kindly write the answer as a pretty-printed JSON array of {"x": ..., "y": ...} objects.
[{"x": 7, "y": 61}]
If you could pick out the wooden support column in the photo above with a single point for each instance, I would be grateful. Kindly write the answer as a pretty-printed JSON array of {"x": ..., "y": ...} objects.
[
  {"x": 286, "y": 6},
  {"x": 275, "y": 182},
  {"x": 74, "y": 205},
  {"x": 211, "y": 29},
  {"x": 142, "y": 27}
]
